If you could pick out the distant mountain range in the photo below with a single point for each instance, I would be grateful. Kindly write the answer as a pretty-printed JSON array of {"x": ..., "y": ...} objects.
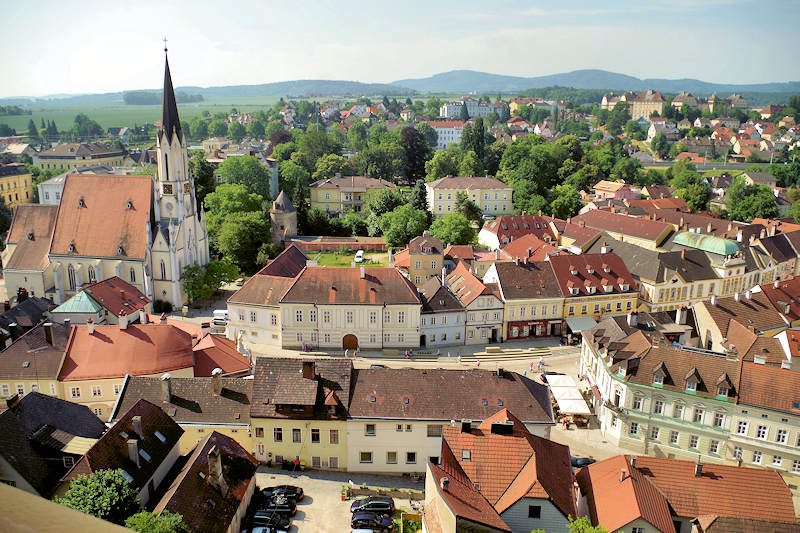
[
  {"x": 455, "y": 81},
  {"x": 465, "y": 81}
]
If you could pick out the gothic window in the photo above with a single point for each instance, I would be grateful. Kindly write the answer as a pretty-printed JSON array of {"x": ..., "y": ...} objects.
[
  {"x": 163, "y": 270},
  {"x": 167, "y": 188},
  {"x": 71, "y": 277},
  {"x": 166, "y": 174},
  {"x": 187, "y": 188},
  {"x": 92, "y": 277},
  {"x": 133, "y": 275}
]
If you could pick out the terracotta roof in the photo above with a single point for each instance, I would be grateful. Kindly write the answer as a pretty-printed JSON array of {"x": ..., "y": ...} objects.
[
  {"x": 584, "y": 281},
  {"x": 756, "y": 311},
  {"x": 442, "y": 124},
  {"x": 402, "y": 259},
  {"x": 510, "y": 467},
  {"x": 94, "y": 218},
  {"x": 419, "y": 245},
  {"x": 658, "y": 191},
  {"x": 626, "y": 225},
  {"x": 581, "y": 235},
  {"x": 531, "y": 248},
  {"x": 527, "y": 280},
  {"x": 118, "y": 296},
  {"x": 31, "y": 230},
  {"x": 111, "y": 450},
  {"x": 460, "y": 251},
  {"x": 726, "y": 524},
  {"x": 345, "y": 286},
  {"x": 721, "y": 489},
  {"x": 282, "y": 378},
  {"x": 32, "y": 357},
  {"x": 437, "y": 299},
  {"x": 468, "y": 183},
  {"x": 80, "y": 149},
  {"x": 38, "y": 465},
  {"x": 111, "y": 352},
  {"x": 618, "y": 494},
  {"x": 262, "y": 290},
  {"x": 352, "y": 182},
  {"x": 514, "y": 226},
  {"x": 771, "y": 387},
  {"x": 661, "y": 203},
  {"x": 192, "y": 400},
  {"x": 215, "y": 351},
  {"x": 472, "y": 394},
  {"x": 465, "y": 285},
  {"x": 206, "y": 507}
]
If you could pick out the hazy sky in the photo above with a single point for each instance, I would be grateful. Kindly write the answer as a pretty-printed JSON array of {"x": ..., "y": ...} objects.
[{"x": 92, "y": 46}]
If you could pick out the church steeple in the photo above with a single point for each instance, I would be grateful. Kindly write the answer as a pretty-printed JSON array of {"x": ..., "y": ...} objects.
[{"x": 170, "y": 122}]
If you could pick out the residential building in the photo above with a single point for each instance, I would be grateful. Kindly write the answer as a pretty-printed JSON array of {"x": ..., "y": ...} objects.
[
  {"x": 650, "y": 234},
  {"x": 499, "y": 232},
  {"x": 684, "y": 98},
  {"x": 350, "y": 308},
  {"x": 23, "y": 316},
  {"x": 614, "y": 190},
  {"x": 104, "y": 302},
  {"x": 75, "y": 155},
  {"x": 630, "y": 493},
  {"x": 492, "y": 196},
  {"x": 577, "y": 239},
  {"x": 669, "y": 129},
  {"x": 283, "y": 219},
  {"x": 50, "y": 191},
  {"x": 593, "y": 285},
  {"x": 531, "y": 248},
  {"x": 340, "y": 194},
  {"x": 661, "y": 204},
  {"x": 714, "y": 317},
  {"x": 641, "y": 104},
  {"x": 199, "y": 405},
  {"x": 15, "y": 150},
  {"x": 422, "y": 259},
  {"x": 657, "y": 191},
  {"x": 143, "y": 443},
  {"x": 214, "y": 488},
  {"x": 483, "y": 305},
  {"x": 784, "y": 295},
  {"x": 474, "y": 107},
  {"x": 759, "y": 178},
  {"x": 16, "y": 185},
  {"x": 26, "y": 264},
  {"x": 41, "y": 437},
  {"x": 298, "y": 411},
  {"x": 254, "y": 310},
  {"x": 448, "y": 132},
  {"x": 533, "y": 302},
  {"x": 33, "y": 361},
  {"x": 525, "y": 479},
  {"x": 443, "y": 319},
  {"x": 398, "y": 416}
]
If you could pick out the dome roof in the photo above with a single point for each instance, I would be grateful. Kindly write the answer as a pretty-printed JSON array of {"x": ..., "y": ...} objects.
[{"x": 707, "y": 243}]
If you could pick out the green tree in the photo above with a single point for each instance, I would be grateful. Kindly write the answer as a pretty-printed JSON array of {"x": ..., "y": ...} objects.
[
  {"x": 357, "y": 136},
  {"x": 218, "y": 128},
  {"x": 331, "y": 164},
  {"x": 5, "y": 216},
  {"x": 419, "y": 196},
  {"x": 165, "y": 522},
  {"x": 403, "y": 224},
  {"x": 384, "y": 201},
  {"x": 33, "y": 133},
  {"x": 566, "y": 201},
  {"x": 203, "y": 172},
  {"x": 452, "y": 228},
  {"x": 383, "y": 161},
  {"x": 471, "y": 165},
  {"x": 746, "y": 202},
  {"x": 201, "y": 282},
  {"x": 444, "y": 163},
  {"x": 468, "y": 208},
  {"x": 617, "y": 118},
  {"x": 291, "y": 175},
  {"x": 430, "y": 135},
  {"x": 659, "y": 144},
  {"x": 417, "y": 152},
  {"x": 317, "y": 144},
  {"x": 695, "y": 195},
  {"x": 227, "y": 199},
  {"x": 628, "y": 169},
  {"x": 634, "y": 131},
  {"x": 355, "y": 225},
  {"x": 236, "y": 131},
  {"x": 105, "y": 494},
  {"x": 255, "y": 129},
  {"x": 284, "y": 151},
  {"x": 241, "y": 236},
  {"x": 463, "y": 113},
  {"x": 794, "y": 212},
  {"x": 583, "y": 525},
  {"x": 245, "y": 170},
  {"x": 198, "y": 128}
]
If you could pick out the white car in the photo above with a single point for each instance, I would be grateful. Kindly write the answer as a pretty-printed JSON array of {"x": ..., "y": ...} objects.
[
  {"x": 221, "y": 317},
  {"x": 359, "y": 256}
]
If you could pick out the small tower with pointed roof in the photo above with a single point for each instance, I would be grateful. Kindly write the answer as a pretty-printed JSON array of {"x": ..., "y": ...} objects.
[{"x": 283, "y": 219}]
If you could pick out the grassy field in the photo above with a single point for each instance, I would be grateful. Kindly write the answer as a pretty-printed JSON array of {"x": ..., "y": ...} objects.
[{"x": 331, "y": 259}]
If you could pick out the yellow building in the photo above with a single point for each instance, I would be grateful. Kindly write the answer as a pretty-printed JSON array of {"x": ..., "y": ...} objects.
[
  {"x": 198, "y": 405},
  {"x": 16, "y": 185},
  {"x": 299, "y": 411},
  {"x": 422, "y": 260},
  {"x": 75, "y": 155},
  {"x": 640, "y": 105},
  {"x": 492, "y": 196},
  {"x": 340, "y": 194}
]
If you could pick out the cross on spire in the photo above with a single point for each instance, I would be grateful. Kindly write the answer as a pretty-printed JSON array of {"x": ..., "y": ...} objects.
[{"x": 165, "y": 43}]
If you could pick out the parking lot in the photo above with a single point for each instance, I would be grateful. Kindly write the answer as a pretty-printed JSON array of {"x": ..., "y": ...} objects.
[{"x": 322, "y": 509}]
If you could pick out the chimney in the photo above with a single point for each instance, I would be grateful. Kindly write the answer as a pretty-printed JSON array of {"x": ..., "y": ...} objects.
[
  {"x": 777, "y": 284},
  {"x": 698, "y": 468},
  {"x": 748, "y": 294},
  {"x": 90, "y": 325},
  {"x": 13, "y": 401},
  {"x": 166, "y": 388},
  {"x": 500, "y": 372},
  {"x": 739, "y": 236},
  {"x": 142, "y": 316},
  {"x": 363, "y": 275},
  {"x": 622, "y": 474},
  {"x": 444, "y": 277},
  {"x": 163, "y": 318},
  {"x": 714, "y": 300},
  {"x": 604, "y": 248},
  {"x": 466, "y": 426},
  {"x": 133, "y": 451},
  {"x": 444, "y": 483},
  {"x": 308, "y": 370},
  {"x": 122, "y": 294},
  {"x": 216, "y": 377},
  {"x": 215, "y": 469},
  {"x": 48, "y": 332},
  {"x": 12, "y": 329},
  {"x": 633, "y": 319},
  {"x": 736, "y": 296},
  {"x": 709, "y": 228},
  {"x": 123, "y": 322},
  {"x": 67, "y": 323},
  {"x": 137, "y": 425},
  {"x": 683, "y": 254},
  {"x": 633, "y": 461},
  {"x": 680, "y": 315}
]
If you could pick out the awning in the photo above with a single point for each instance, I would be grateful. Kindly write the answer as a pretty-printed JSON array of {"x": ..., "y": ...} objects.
[
  {"x": 579, "y": 324},
  {"x": 567, "y": 395}
]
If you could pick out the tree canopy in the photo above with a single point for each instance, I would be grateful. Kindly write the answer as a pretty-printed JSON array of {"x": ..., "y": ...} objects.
[
  {"x": 452, "y": 228},
  {"x": 105, "y": 494},
  {"x": 245, "y": 170},
  {"x": 165, "y": 522},
  {"x": 240, "y": 237},
  {"x": 403, "y": 224}
]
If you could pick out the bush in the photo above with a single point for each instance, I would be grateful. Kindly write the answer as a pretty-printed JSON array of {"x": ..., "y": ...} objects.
[{"x": 160, "y": 306}]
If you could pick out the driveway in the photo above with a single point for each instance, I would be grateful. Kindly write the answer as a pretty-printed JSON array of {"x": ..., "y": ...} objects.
[{"x": 322, "y": 509}]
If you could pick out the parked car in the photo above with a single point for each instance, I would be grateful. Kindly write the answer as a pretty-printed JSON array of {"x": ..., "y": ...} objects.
[
  {"x": 268, "y": 529},
  {"x": 283, "y": 490},
  {"x": 373, "y": 504},
  {"x": 359, "y": 256},
  {"x": 281, "y": 504},
  {"x": 271, "y": 518},
  {"x": 580, "y": 462},
  {"x": 221, "y": 317},
  {"x": 372, "y": 521},
  {"x": 378, "y": 366}
]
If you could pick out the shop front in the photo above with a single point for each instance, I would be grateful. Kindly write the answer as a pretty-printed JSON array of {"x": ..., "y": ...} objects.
[{"x": 533, "y": 328}]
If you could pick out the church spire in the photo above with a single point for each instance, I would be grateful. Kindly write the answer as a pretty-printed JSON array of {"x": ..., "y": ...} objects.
[{"x": 170, "y": 122}]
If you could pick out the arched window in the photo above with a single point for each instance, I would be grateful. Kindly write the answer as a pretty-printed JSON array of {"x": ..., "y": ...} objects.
[
  {"x": 166, "y": 167},
  {"x": 92, "y": 277},
  {"x": 133, "y": 275},
  {"x": 163, "y": 270},
  {"x": 71, "y": 277}
]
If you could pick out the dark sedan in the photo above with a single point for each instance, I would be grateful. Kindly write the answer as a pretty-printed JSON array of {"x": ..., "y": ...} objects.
[
  {"x": 282, "y": 505},
  {"x": 264, "y": 517},
  {"x": 372, "y": 521},
  {"x": 373, "y": 504},
  {"x": 283, "y": 490},
  {"x": 580, "y": 462}
]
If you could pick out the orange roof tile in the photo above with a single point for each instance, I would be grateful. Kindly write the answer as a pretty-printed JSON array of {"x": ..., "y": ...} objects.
[
  {"x": 214, "y": 351},
  {"x": 31, "y": 230},
  {"x": 531, "y": 247}
]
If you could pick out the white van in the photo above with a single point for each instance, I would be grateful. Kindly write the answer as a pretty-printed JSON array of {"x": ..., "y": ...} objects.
[
  {"x": 359, "y": 256},
  {"x": 221, "y": 317}
]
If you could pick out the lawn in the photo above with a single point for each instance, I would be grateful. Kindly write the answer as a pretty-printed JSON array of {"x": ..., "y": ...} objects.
[{"x": 331, "y": 259}]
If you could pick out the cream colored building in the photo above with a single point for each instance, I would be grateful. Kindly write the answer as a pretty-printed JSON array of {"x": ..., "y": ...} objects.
[
  {"x": 75, "y": 155},
  {"x": 25, "y": 259},
  {"x": 482, "y": 303},
  {"x": 640, "y": 105},
  {"x": 340, "y": 194},
  {"x": 16, "y": 185},
  {"x": 492, "y": 196}
]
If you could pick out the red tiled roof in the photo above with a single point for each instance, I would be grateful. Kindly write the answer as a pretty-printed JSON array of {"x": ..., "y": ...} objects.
[
  {"x": 465, "y": 285},
  {"x": 626, "y": 225},
  {"x": 345, "y": 286},
  {"x": 756, "y": 311},
  {"x": 402, "y": 259},
  {"x": 580, "y": 234},
  {"x": 531, "y": 247},
  {"x": 94, "y": 218},
  {"x": 771, "y": 387},
  {"x": 38, "y": 222},
  {"x": 460, "y": 251},
  {"x": 352, "y": 182},
  {"x": 214, "y": 351},
  {"x": 512, "y": 227},
  {"x": 418, "y": 245},
  {"x": 617, "y": 275},
  {"x": 288, "y": 264},
  {"x": 786, "y": 294},
  {"x": 721, "y": 489},
  {"x": 468, "y": 183},
  {"x": 111, "y": 352},
  {"x": 117, "y": 295},
  {"x": 446, "y": 123},
  {"x": 661, "y": 203}
]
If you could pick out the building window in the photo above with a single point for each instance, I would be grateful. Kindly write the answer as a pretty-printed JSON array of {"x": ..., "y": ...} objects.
[
  {"x": 373, "y": 317},
  {"x": 761, "y": 432},
  {"x": 534, "y": 511},
  {"x": 387, "y": 338},
  {"x": 757, "y": 457},
  {"x": 241, "y": 316},
  {"x": 434, "y": 430},
  {"x": 691, "y": 386},
  {"x": 391, "y": 458},
  {"x": 296, "y": 435},
  {"x": 694, "y": 441},
  {"x": 777, "y": 460},
  {"x": 333, "y": 462},
  {"x": 737, "y": 452},
  {"x": 277, "y": 434},
  {"x": 654, "y": 431},
  {"x": 658, "y": 407},
  {"x": 719, "y": 419},
  {"x": 637, "y": 403},
  {"x": 782, "y": 436},
  {"x": 411, "y": 458},
  {"x": 369, "y": 430},
  {"x": 401, "y": 317},
  {"x": 408, "y": 428},
  {"x": 299, "y": 337},
  {"x": 334, "y": 436},
  {"x": 298, "y": 316},
  {"x": 98, "y": 411},
  {"x": 71, "y": 277},
  {"x": 698, "y": 415},
  {"x": 634, "y": 428},
  {"x": 387, "y": 317},
  {"x": 796, "y": 466},
  {"x": 673, "y": 437},
  {"x": 741, "y": 427},
  {"x": 349, "y": 317},
  {"x": 75, "y": 392},
  {"x": 637, "y": 530},
  {"x": 96, "y": 391},
  {"x": 312, "y": 316},
  {"x": 260, "y": 433},
  {"x": 713, "y": 447},
  {"x": 326, "y": 317},
  {"x": 92, "y": 277},
  {"x": 365, "y": 457},
  {"x": 274, "y": 319},
  {"x": 163, "y": 270},
  {"x": 132, "y": 275},
  {"x": 4, "y": 389}
]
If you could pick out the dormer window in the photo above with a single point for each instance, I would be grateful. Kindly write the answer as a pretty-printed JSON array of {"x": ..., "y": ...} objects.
[
  {"x": 722, "y": 391},
  {"x": 608, "y": 288},
  {"x": 72, "y": 247},
  {"x": 372, "y": 399},
  {"x": 589, "y": 269},
  {"x": 81, "y": 203},
  {"x": 573, "y": 270},
  {"x": 658, "y": 380},
  {"x": 573, "y": 290},
  {"x": 405, "y": 401},
  {"x": 591, "y": 289},
  {"x": 606, "y": 268},
  {"x": 691, "y": 385},
  {"x": 624, "y": 286},
  {"x": 129, "y": 205},
  {"x": 120, "y": 250},
  {"x": 30, "y": 235}
]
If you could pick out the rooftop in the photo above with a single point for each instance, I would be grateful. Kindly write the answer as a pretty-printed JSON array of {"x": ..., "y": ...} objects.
[
  {"x": 706, "y": 243},
  {"x": 468, "y": 183},
  {"x": 31, "y": 230},
  {"x": 346, "y": 286}
]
